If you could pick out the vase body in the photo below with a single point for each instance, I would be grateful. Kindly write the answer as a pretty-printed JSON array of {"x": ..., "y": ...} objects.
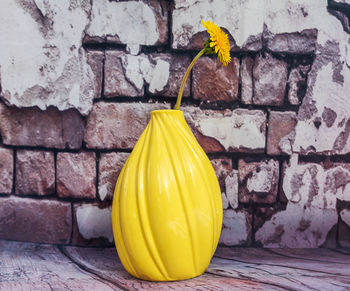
[{"x": 167, "y": 207}]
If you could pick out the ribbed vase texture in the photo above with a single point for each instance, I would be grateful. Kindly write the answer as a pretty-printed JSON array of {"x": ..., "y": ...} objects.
[{"x": 167, "y": 208}]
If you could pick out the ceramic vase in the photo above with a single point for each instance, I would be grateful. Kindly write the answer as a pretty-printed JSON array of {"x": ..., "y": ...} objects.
[{"x": 167, "y": 207}]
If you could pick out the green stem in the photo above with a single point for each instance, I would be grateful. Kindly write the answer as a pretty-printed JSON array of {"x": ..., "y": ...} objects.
[{"x": 179, "y": 96}]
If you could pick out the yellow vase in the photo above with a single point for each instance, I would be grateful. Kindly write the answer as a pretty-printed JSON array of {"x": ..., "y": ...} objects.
[{"x": 167, "y": 207}]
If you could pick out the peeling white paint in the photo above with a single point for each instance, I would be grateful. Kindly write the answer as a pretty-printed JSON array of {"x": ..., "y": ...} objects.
[
  {"x": 286, "y": 16},
  {"x": 342, "y": 1},
  {"x": 43, "y": 65},
  {"x": 224, "y": 201},
  {"x": 331, "y": 95},
  {"x": 94, "y": 222},
  {"x": 297, "y": 227},
  {"x": 240, "y": 128},
  {"x": 139, "y": 69},
  {"x": 286, "y": 143},
  {"x": 133, "y": 22},
  {"x": 135, "y": 69},
  {"x": 247, "y": 18},
  {"x": 159, "y": 76},
  {"x": 103, "y": 191},
  {"x": 312, "y": 194},
  {"x": 14, "y": 59},
  {"x": 133, "y": 49},
  {"x": 338, "y": 183},
  {"x": 231, "y": 185},
  {"x": 259, "y": 182},
  {"x": 241, "y": 18},
  {"x": 290, "y": 16},
  {"x": 235, "y": 230}
]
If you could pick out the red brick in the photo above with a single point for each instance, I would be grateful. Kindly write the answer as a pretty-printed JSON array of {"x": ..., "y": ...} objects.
[
  {"x": 270, "y": 78},
  {"x": 222, "y": 167},
  {"x": 35, "y": 172},
  {"x": 6, "y": 170},
  {"x": 76, "y": 175},
  {"x": 297, "y": 83},
  {"x": 110, "y": 166},
  {"x": 115, "y": 82},
  {"x": 33, "y": 127},
  {"x": 117, "y": 125},
  {"x": 178, "y": 66},
  {"x": 43, "y": 221},
  {"x": 300, "y": 42},
  {"x": 247, "y": 79},
  {"x": 279, "y": 134},
  {"x": 214, "y": 82},
  {"x": 126, "y": 75},
  {"x": 258, "y": 181},
  {"x": 95, "y": 60}
]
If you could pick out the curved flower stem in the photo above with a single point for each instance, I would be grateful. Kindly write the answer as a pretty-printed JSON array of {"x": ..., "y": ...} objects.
[{"x": 179, "y": 96}]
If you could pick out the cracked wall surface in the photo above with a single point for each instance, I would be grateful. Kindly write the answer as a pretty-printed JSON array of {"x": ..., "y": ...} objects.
[
  {"x": 78, "y": 80},
  {"x": 43, "y": 62}
]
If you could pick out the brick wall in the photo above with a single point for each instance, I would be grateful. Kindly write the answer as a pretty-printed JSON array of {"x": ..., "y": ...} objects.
[{"x": 79, "y": 80}]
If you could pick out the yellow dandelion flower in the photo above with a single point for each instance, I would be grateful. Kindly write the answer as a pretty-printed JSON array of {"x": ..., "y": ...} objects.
[
  {"x": 217, "y": 44},
  {"x": 218, "y": 41}
]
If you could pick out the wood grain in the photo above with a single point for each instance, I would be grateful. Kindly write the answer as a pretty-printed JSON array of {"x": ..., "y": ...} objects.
[
  {"x": 29, "y": 266},
  {"x": 105, "y": 263},
  {"x": 297, "y": 269}
]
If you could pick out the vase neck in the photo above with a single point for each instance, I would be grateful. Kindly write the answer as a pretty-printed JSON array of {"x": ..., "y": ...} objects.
[{"x": 170, "y": 113}]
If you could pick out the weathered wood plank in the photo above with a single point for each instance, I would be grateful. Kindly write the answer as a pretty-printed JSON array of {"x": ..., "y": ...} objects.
[
  {"x": 294, "y": 273},
  {"x": 28, "y": 266},
  {"x": 105, "y": 263},
  {"x": 267, "y": 257},
  {"x": 285, "y": 277},
  {"x": 344, "y": 251},
  {"x": 316, "y": 255}
]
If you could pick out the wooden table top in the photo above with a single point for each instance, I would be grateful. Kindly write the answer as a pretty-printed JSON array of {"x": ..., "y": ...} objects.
[{"x": 29, "y": 266}]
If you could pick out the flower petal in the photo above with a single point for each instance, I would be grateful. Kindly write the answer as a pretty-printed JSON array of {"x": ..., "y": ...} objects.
[{"x": 219, "y": 41}]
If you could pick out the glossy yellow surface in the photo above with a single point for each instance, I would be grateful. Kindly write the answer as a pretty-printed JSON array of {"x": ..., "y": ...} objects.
[{"x": 167, "y": 208}]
